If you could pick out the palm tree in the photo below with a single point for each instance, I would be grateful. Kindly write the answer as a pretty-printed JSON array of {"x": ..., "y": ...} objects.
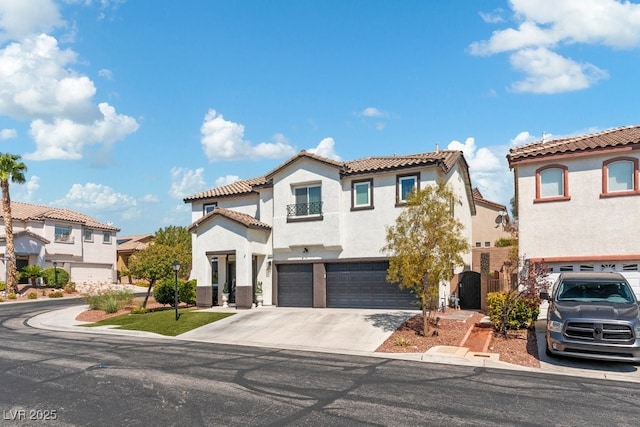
[{"x": 11, "y": 168}]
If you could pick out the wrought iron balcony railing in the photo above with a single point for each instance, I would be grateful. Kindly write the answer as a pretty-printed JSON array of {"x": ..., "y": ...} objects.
[{"x": 304, "y": 209}]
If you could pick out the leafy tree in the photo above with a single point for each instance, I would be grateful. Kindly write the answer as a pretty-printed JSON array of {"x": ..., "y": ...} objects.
[
  {"x": 153, "y": 263},
  {"x": 424, "y": 245},
  {"x": 180, "y": 239},
  {"x": 32, "y": 272},
  {"x": 11, "y": 169},
  {"x": 526, "y": 298},
  {"x": 55, "y": 277}
]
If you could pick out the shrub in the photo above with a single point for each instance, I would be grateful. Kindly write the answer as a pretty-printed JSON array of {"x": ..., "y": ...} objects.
[
  {"x": 164, "y": 292},
  {"x": 56, "y": 294},
  {"x": 402, "y": 342},
  {"x": 139, "y": 310},
  {"x": 70, "y": 287},
  {"x": 11, "y": 296},
  {"x": 3, "y": 286},
  {"x": 523, "y": 310},
  {"x": 504, "y": 242},
  {"x": 187, "y": 292},
  {"x": 32, "y": 295},
  {"x": 109, "y": 301},
  {"x": 49, "y": 275}
]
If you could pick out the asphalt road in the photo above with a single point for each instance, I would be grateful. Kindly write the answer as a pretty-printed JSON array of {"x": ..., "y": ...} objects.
[{"x": 59, "y": 378}]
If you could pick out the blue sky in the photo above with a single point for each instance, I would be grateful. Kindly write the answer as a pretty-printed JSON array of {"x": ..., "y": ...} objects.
[{"x": 122, "y": 108}]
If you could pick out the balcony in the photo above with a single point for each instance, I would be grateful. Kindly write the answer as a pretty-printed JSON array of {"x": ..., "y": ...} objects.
[{"x": 304, "y": 212}]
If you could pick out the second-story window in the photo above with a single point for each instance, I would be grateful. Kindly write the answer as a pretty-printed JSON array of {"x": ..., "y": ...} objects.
[
  {"x": 106, "y": 237},
  {"x": 362, "y": 194},
  {"x": 208, "y": 207},
  {"x": 552, "y": 183},
  {"x": 88, "y": 235},
  {"x": 63, "y": 234},
  {"x": 308, "y": 201},
  {"x": 620, "y": 176},
  {"x": 405, "y": 185}
]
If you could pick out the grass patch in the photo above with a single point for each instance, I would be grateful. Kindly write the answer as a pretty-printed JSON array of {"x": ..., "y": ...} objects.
[{"x": 163, "y": 322}]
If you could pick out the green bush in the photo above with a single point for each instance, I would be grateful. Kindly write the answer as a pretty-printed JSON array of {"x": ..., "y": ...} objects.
[
  {"x": 139, "y": 310},
  {"x": 504, "y": 242},
  {"x": 3, "y": 286},
  {"x": 187, "y": 292},
  {"x": 56, "y": 294},
  {"x": 109, "y": 301},
  {"x": 32, "y": 295},
  {"x": 49, "y": 275},
  {"x": 523, "y": 312},
  {"x": 164, "y": 292}
]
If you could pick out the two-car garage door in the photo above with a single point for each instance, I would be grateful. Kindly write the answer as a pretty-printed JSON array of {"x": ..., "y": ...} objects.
[{"x": 348, "y": 285}]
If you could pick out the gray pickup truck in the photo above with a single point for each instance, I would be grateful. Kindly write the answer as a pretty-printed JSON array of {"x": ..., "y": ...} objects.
[{"x": 593, "y": 316}]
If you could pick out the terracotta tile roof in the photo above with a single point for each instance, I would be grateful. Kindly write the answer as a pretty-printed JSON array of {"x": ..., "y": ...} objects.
[
  {"x": 443, "y": 158},
  {"x": 244, "y": 219},
  {"x": 136, "y": 242},
  {"x": 28, "y": 212},
  {"x": 477, "y": 197},
  {"x": 617, "y": 137},
  {"x": 233, "y": 189}
]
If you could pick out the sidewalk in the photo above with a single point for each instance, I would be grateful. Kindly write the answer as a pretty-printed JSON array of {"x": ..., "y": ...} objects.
[{"x": 358, "y": 332}]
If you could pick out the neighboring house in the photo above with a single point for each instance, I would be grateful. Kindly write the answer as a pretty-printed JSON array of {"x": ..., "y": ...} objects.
[
  {"x": 127, "y": 246},
  {"x": 491, "y": 223},
  {"x": 312, "y": 229},
  {"x": 578, "y": 201},
  {"x": 42, "y": 235}
]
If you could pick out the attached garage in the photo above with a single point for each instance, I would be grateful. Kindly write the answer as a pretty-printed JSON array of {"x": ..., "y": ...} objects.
[
  {"x": 295, "y": 285},
  {"x": 364, "y": 285}
]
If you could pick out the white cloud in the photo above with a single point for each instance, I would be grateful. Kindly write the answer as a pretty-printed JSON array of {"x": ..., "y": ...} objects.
[
  {"x": 523, "y": 138},
  {"x": 326, "y": 148},
  {"x": 371, "y": 112},
  {"x": 8, "y": 134},
  {"x": 544, "y": 26},
  {"x": 228, "y": 179},
  {"x": 107, "y": 74},
  {"x": 547, "y": 72},
  {"x": 95, "y": 197},
  {"x": 224, "y": 140},
  {"x": 26, "y": 192},
  {"x": 489, "y": 171},
  {"x": 494, "y": 17},
  {"x": 66, "y": 139},
  {"x": 185, "y": 182},
  {"x": 21, "y": 18},
  {"x": 39, "y": 85},
  {"x": 150, "y": 198}
]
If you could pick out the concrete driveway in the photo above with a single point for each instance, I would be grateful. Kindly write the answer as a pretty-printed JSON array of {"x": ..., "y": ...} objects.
[{"x": 332, "y": 330}]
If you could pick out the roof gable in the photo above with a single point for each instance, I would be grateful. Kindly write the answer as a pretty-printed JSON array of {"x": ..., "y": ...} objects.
[{"x": 242, "y": 219}]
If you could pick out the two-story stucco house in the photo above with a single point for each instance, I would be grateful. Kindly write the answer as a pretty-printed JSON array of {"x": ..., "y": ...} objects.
[
  {"x": 578, "y": 202},
  {"x": 312, "y": 229},
  {"x": 43, "y": 235}
]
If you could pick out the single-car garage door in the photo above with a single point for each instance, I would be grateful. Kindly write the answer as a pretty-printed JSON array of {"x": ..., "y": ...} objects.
[
  {"x": 364, "y": 285},
  {"x": 295, "y": 285}
]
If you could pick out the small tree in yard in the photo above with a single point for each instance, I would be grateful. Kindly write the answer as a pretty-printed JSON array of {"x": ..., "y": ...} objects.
[
  {"x": 153, "y": 263},
  {"x": 520, "y": 308},
  {"x": 424, "y": 245}
]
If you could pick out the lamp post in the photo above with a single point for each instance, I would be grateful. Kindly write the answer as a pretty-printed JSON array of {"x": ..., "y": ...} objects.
[
  {"x": 55, "y": 274},
  {"x": 176, "y": 267}
]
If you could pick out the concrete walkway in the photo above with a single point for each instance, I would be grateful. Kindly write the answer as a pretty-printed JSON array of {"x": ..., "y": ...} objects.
[{"x": 345, "y": 331}]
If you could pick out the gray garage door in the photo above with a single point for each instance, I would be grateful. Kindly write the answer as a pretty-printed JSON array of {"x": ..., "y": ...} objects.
[
  {"x": 364, "y": 285},
  {"x": 295, "y": 285}
]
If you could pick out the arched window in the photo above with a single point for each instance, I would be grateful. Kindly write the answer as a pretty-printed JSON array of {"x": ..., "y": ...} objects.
[
  {"x": 620, "y": 177},
  {"x": 552, "y": 183}
]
